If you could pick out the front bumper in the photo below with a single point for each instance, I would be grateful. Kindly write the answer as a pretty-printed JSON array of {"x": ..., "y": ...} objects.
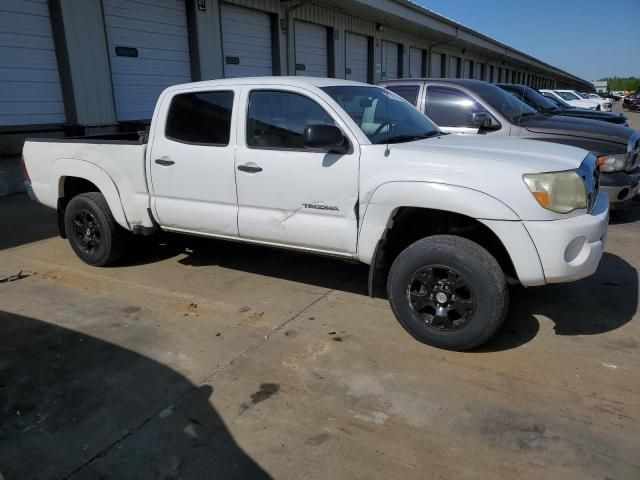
[
  {"x": 570, "y": 249},
  {"x": 621, "y": 187}
]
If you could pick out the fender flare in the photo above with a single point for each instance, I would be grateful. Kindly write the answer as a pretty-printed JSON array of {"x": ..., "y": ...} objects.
[
  {"x": 389, "y": 197},
  {"x": 73, "y": 167}
]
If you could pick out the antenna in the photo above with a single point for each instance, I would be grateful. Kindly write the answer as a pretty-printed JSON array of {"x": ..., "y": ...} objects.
[{"x": 386, "y": 97}]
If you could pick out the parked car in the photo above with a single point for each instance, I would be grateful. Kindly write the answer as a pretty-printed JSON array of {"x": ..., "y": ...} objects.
[
  {"x": 605, "y": 103},
  {"x": 618, "y": 94},
  {"x": 573, "y": 99},
  {"x": 343, "y": 169},
  {"x": 476, "y": 107},
  {"x": 632, "y": 101},
  {"x": 555, "y": 106}
]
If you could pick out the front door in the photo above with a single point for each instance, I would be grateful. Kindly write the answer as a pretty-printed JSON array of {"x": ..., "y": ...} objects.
[
  {"x": 287, "y": 194},
  {"x": 192, "y": 162},
  {"x": 452, "y": 110}
]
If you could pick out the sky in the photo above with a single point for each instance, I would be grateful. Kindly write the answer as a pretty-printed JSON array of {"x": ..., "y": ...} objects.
[{"x": 588, "y": 38}]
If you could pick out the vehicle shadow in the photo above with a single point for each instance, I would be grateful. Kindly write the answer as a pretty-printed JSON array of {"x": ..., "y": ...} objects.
[
  {"x": 303, "y": 268},
  {"x": 601, "y": 303},
  {"x": 75, "y": 406},
  {"x": 24, "y": 221},
  {"x": 629, "y": 214}
]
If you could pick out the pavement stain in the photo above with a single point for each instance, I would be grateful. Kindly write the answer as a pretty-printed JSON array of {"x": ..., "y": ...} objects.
[
  {"x": 266, "y": 391},
  {"x": 317, "y": 439},
  {"x": 12, "y": 278},
  {"x": 254, "y": 317}
]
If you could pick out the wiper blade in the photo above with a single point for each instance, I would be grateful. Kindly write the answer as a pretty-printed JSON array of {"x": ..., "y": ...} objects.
[
  {"x": 407, "y": 138},
  {"x": 523, "y": 115}
]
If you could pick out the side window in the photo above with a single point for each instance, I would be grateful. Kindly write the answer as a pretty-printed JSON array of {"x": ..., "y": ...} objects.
[
  {"x": 449, "y": 107},
  {"x": 200, "y": 117},
  {"x": 277, "y": 119},
  {"x": 408, "y": 92}
]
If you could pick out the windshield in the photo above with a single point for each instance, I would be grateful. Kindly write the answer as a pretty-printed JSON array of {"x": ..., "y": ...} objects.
[
  {"x": 557, "y": 100},
  {"x": 568, "y": 95},
  {"x": 382, "y": 115},
  {"x": 532, "y": 98},
  {"x": 511, "y": 107},
  {"x": 547, "y": 105}
]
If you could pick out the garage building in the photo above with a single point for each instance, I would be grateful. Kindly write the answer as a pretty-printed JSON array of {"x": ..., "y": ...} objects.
[{"x": 73, "y": 67}]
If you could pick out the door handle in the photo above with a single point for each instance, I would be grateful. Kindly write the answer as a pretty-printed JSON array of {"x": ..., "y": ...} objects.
[
  {"x": 165, "y": 162},
  {"x": 250, "y": 168}
]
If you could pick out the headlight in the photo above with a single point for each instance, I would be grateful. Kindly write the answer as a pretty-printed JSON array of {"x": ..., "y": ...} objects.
[
  {"x": 613, "y": 163},
  {"x": 560, "y": 192}
]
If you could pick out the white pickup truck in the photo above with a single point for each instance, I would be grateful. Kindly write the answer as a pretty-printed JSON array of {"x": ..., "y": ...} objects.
[{"x": 344, "y": 169}]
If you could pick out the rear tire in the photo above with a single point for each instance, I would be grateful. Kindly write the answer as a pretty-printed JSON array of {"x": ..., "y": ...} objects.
[
  {"x": 448, "y": 292},
  {"x": 93, "y": 233}
]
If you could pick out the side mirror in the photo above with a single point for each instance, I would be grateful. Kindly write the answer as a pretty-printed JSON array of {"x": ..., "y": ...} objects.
[
  {"x": 323, "y": 137},
  {"x": 481, "y": 120}
]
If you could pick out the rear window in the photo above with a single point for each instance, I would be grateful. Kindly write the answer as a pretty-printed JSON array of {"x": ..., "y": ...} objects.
[
  {"x": 202, "y": 118},
  {"x": 408, "y": 92}
]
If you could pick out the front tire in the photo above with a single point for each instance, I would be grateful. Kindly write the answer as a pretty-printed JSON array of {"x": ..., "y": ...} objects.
[
  {"x": 448, "y": 292},
  {"x": 93, "y": 233}
]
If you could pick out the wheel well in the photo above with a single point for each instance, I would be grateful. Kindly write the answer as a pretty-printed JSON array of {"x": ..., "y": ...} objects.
[
  {"x": 409, "y": 224},
  {"x": 71, "y": 187}
]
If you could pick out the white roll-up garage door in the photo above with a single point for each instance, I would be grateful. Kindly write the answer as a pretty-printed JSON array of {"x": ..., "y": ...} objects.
[
  {"x": 30, "y": 91},
  {"x": 389, "y": 60},
  {"x": 466, "y": 73},
  {"x": 246, "y": 42},
  {"x": 148, "y": 51},
  {"x": 356, "y": 57},
  {"x": 312, "y": 56},
  {"x": 436, "y": 65},
  {"x": 415, "y": 62},
  {"x": 454, "y": 70}
]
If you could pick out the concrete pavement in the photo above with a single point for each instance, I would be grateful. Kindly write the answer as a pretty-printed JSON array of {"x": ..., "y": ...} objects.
[{"x": 199, "y": 359}]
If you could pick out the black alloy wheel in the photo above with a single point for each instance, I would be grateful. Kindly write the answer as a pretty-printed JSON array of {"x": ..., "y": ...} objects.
[
  {"x": 442, "y": 296},
  {"x": 86, "y": 231}
]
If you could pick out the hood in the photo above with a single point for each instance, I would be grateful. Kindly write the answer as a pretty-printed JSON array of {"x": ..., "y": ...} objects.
[
  {"x": 578, "y": 127},
  {"x": 617, "y": 118},
  {"x": 534, "y": 155}
]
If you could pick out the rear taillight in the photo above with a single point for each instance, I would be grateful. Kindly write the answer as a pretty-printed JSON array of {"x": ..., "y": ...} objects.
[{"x": 24, "y": 169}]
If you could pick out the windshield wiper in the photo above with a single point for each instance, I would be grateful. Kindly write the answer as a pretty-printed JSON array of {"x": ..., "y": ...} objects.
[
  {"x": 407, "y": 138},
  {"x": 523, "y": 115}
]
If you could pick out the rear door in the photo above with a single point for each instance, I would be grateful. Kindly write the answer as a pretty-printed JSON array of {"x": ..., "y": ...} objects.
[
  {"x": 288, "y": 195},
  {"x": 191, "y": 162}
]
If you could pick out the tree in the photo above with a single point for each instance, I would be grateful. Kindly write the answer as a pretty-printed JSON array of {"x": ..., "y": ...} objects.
[{"x": 622, "y": 83}]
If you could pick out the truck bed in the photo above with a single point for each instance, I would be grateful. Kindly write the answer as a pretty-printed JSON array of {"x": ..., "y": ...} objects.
[{"x": 115, "y": 163}]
